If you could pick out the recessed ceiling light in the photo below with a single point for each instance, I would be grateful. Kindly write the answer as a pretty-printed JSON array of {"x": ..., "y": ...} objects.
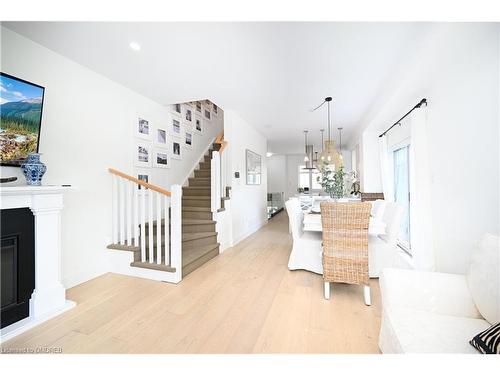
[
  {"x": 135, "y": 46},
  {"x": 269, "y": 154}
]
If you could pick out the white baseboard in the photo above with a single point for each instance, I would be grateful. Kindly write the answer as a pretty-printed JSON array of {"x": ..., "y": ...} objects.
[
  {"x": 247, "y": 233},
  {"x": 21, "y": 326}
]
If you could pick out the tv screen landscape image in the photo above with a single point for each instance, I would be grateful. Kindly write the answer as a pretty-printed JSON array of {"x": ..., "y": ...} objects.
[{"x": 21, "y": 104}]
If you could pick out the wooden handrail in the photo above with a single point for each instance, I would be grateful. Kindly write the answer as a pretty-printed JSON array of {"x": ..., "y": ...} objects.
[
  {"x": 220, "y": 141},
  {"x": 140, "y": 182}
]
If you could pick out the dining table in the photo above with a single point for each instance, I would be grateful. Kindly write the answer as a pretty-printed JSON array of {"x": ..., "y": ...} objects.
[{"x": 312, "y": 223}]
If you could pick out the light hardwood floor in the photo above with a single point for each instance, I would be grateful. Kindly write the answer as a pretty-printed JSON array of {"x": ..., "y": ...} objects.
[{"x": 243, "y": 301}]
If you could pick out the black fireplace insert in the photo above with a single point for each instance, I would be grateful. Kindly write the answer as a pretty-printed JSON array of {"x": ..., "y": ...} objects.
[{"x": 17, "y": 261}]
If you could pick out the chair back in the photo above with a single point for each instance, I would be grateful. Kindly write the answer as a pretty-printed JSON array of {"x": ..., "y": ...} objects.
[
  {"x": 393, "y": 216},
  {"x": 295, "y": 216},
  {"x": 345, "y": 241},
  {"x": 378, "y": 207}
]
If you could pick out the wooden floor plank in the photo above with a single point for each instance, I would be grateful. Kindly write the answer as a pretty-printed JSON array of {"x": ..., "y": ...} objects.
[{"x": 243, "y": 301}]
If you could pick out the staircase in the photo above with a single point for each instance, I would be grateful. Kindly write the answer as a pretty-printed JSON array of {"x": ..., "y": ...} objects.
[
  {"x": 143, "y": 222},
  {"x": 199, "y": 240}
]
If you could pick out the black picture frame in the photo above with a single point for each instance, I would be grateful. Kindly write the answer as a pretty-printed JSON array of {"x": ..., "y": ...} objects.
[{"x": 18, "y": 163}]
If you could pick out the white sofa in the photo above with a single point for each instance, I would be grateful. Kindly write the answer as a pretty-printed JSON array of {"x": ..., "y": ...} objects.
[{"x": 431, "y": 312}]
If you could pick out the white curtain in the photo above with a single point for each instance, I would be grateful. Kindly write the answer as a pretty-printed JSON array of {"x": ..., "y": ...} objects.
[
  {"x": 386, "y": 172},
  {"x": 420, "y": 198}
]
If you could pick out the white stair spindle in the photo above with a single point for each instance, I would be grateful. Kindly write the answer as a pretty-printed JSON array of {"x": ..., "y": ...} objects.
[
  {"x": 136, "y": 215},
  {"x": 143, "y": 224},
  {"x": 150, "y": 228},
  {"x": 176, "y": 231},
  {"x": 114, "y": 215},
  {"x": 166, "y": 228},
  {"x": 158, "y": 228},
  {"x": 129, "y": 212},
  {"x": 122, "y": 212}
]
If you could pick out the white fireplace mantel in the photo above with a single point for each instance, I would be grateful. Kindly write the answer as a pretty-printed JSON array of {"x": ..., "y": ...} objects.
[{"x": 49, "y": 297}]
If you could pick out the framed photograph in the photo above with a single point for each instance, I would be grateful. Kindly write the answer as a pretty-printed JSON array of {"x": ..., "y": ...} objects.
[
  {"x": 142, "y": 175},
  {"x": 176, "y": 150},
  {"x": 188, "y": 116},
  {"x": 142, "y": 154},
  {"x": 161, "y": 137},
  {"x": 161, "y": 159},
  {"x": 176, "y": 127},
  {"x": 176, "y": 108},
  {"x": 188, "y": 139},
  {"x": 198, "y": 107},
  {"x": 206, "y": 113},
  {"x": 143, "y": 128},
  {"x": 215, "y": 110},
  {"x": 198, "y": 126},
  {"x": 21, "y": 106},
  {"x": 253, "y": 168}
]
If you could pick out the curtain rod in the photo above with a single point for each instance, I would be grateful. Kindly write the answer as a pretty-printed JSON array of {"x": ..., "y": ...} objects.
[{"x": 418, "y": 105}]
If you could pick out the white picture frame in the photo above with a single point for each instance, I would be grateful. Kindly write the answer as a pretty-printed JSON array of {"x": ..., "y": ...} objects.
[
  {"x": 161, "y": 158},
  {"x": 188, "y": 139},
  {"x": 176, "y": 109},
  {"x": 143, "y": 128},
  {"x": 253, "y": 168},
  {"x": 176, "y": 152},
  {"x": 207, "y": 113},
  {"x": 143, "y": 175},
  {"x": 187, "y": 115},
  {"x": 176, "y": 127},
  {"x": 142, "y": 154},
  {"x": 161, "y": 137},
  {"x": 198, "y": 125},
  {"x": 198, "y": 107}
]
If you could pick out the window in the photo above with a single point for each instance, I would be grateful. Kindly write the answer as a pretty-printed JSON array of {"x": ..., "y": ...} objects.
[
  {"x": 304, "y": 178},
  {"x": 401, "y": 158}
]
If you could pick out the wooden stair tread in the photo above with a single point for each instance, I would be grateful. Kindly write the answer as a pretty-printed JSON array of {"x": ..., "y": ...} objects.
[
  {"x": 117, "y": 246},
  {"x": 196, "y": 209},
  {"x": 200, "y": 197},
  {"x": 153, "y": 266},
  {"x": 186, "y": 237},
  {"x": 191, "y": 255},
  {"x": 197, "y": 221}
]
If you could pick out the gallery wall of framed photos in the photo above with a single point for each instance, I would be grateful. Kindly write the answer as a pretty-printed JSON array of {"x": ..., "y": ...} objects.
[{"x": 175, "y": 141}]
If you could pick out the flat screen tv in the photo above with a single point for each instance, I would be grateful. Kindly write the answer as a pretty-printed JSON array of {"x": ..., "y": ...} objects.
[{"x": 21, "y": 104}]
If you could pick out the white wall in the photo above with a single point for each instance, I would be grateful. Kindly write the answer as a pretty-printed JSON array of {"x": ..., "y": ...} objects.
[
  {"x": 276, "y": 174},
  {"x": 87, "y": 128},
  {"x": 458, "y": 72},
  {"x": 248, "y": 202}
]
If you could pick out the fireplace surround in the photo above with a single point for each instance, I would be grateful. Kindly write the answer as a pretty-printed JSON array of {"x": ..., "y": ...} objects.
[{"x": 48, "y": 299}]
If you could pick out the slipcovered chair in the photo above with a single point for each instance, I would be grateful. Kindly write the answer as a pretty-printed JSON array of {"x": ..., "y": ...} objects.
[
  {"x": 383, "y": 249},
  {"x": 306, "y": 249},
  {"x": 345, "y": 245},
  {"x": 378, "y": 207}
]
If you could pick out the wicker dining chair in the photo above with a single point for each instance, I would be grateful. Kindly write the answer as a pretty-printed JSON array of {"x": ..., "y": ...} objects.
[{"x": 345, "y": 244}]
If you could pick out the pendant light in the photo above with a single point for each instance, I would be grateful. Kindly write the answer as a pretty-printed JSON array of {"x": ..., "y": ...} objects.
[
  {"x": 329, "y": 157},
  {"x": 341, "y": 158},
  {"x": 308, "y": 159}
]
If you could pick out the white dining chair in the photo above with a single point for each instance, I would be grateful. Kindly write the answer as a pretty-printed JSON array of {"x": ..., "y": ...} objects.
[
  {"x": 383, "y": 249},
  {"x": 378, "y": 207},
  {"x": 306, "y": 248}
]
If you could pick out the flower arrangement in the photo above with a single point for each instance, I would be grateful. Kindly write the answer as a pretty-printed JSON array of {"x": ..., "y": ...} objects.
[{"x": 333, "y": 182}]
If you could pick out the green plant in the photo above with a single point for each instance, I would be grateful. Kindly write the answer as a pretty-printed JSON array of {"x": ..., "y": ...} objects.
[{"x": 333, "y": 181}]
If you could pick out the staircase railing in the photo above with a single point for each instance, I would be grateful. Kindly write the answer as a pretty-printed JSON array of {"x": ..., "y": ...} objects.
[
  {"x": 137, "y": 207},
  {"x": 218, "y": 173}
]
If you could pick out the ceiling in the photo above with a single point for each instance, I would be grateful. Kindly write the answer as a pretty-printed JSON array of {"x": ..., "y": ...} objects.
[{"x": 271, "y": 73}]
